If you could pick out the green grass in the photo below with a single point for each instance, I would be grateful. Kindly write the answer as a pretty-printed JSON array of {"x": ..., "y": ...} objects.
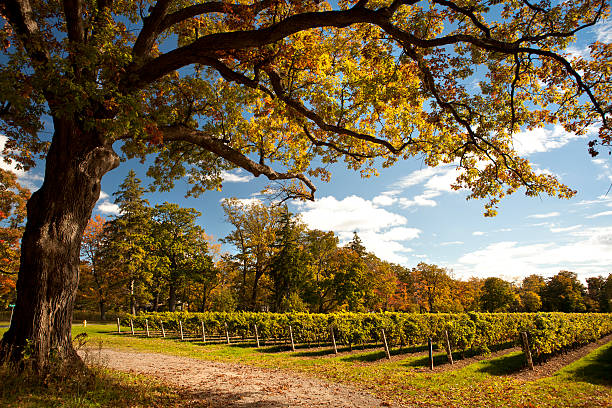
[{"x": 585, "y": 383}]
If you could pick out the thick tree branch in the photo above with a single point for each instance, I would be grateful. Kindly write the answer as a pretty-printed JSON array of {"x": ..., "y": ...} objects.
[
  {"x": 333, "y": 146},
  {"x": 150, "y": 29},
  {"x": 19, "y": 15},
  {"x": 199, "y": 138},
  {"x": 212, "y": 7},
  {"x": 320, "y": 122},
  {"x": 73, "y": 9},
  {"x": 279, "y": 92},
  {"x": 468, "y": 12},
  {"x": 206, "y": 46}
]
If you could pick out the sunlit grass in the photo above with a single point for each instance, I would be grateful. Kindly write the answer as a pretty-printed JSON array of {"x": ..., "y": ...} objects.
[{"x": 406, "y": 378}]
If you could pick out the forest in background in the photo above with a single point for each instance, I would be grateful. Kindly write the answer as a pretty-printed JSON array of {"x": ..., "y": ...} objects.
[{"x": 156, "y": 258}]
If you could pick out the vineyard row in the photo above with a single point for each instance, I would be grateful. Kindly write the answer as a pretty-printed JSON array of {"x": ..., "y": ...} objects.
[{"x": 548, "y": 333}]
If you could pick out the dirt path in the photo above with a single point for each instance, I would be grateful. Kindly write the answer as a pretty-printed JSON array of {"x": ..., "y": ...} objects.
[{"x": 228, "y": 385}]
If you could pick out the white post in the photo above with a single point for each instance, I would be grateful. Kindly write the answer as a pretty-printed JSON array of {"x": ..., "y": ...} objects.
[{"x": 291, "y": 336}]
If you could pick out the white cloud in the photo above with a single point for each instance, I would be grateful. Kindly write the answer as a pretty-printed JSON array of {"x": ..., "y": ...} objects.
[
  {"x": 586, "y": 251},
  {"x": 435, "y": 180},
  {"x": 381, "y": 231},
  {"x": 384, "y": 200},
  {"x": 478, "y": 233},
  {"x": 539, "y": 171},
  {"x": 603, "y": 31},
  {"x": 600, "y": 214},
  {"x": 421, "y": 200},
  {"x": 546, "y": 215},
  {"x": 565, "y": 229},
  {"x": 401, "y": 234},
  {"x": 605, "y": 173},
  {"x": 451, "y": 243},
  {"x": 106, "y": 207},
  {"x": 542, "y": 140},
  {"x": 103, "y": 196},
  {"x": 237, "y": 176}
]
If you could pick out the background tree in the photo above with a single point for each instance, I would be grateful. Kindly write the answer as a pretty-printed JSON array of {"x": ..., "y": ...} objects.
[
  {"x": 180, "y": 241},
  {"x": 255, "y": 229},
  {"x": 129, "y": 241},
  {"x": 288, "y": 269},
  {"x": 531, "y": 293},
  {"x": 599, "y": 294},
  {"x": 321, "y": 248},
  {"x": 431, "y": 285},
  {"x": 273, "y": 85},
  {"x": 497, "y": 295},
  {"x": 91, "y": 251},
  {"x": 13, "y": 198},
  {"x": 563, "y": 293}
]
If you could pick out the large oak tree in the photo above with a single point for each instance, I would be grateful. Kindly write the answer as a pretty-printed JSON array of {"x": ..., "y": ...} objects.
[{"x": 267, "y": 86}]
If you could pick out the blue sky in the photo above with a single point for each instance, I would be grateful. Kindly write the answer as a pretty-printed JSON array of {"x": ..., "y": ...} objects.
[{"x": 409, "y": 214}]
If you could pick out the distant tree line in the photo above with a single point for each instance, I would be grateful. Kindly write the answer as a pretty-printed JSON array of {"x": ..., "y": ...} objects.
[{"x": 158, "y": 258}]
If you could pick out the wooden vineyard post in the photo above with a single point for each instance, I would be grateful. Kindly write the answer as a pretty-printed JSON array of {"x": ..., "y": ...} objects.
[
  {"x": 256, "y": 335},
  {"x": 430, "y": 347},
  {"x": 449, "y": 353},
  {"x": 334, "y": 340},
  {"x": 163, "y": 331},
  {"x": 147, "y": 326},
  {"x": 526, "y": 350},
  {"x": 385, "y": 343},
  {"x": 118, "y": 326},
  {"x": 181, "y": 328},
  {"x": 203, "y": 333},
  {"x": 132, "y": 326},
  {"x": 291, "y": 337},
  {"x": 227, "y": 334}
]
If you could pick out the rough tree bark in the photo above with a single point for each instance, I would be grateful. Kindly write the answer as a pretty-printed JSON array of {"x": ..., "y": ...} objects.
[{"x": 49, "y": 274}]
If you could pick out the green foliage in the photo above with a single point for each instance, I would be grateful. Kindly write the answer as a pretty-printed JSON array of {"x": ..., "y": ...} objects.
[
  {"x": 497, "y": 295},
  {"x": 549, "y": 333},
  {"x": 564, "y": 293}
]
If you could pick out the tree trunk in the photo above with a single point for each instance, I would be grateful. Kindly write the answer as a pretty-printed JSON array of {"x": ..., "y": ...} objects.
[
  {"x": 172, "y": 298},
  {"x": 156, "y": 302},
  {"x": 102, "y": 310},
  {"x": 57, "y": 215},
  {"x": 132, "y": 298}
]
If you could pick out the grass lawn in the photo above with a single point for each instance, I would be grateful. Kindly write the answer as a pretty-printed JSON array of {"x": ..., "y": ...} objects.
[{"x": 585, "y": 383}]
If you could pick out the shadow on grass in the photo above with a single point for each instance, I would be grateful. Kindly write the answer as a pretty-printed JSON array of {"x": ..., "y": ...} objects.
[
  {"x": 380, "y": 354},
  {"x": 595, "y": 368},
  {"x": 503, "y": 365},
  {"x": 328, "y": 349}
]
